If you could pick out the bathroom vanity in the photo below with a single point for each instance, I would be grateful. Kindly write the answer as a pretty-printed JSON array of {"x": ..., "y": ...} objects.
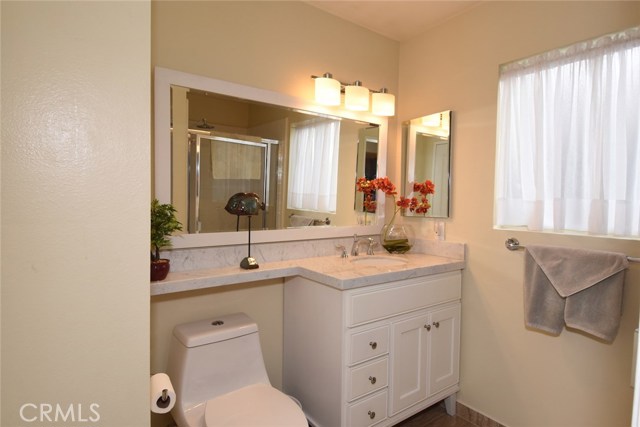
[
  {"x": 368, "y": 340},
  {"x": 373, "y": 355}
]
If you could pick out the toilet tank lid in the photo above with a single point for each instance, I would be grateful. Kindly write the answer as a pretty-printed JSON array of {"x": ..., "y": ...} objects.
[{"x": 201, "y": 332}]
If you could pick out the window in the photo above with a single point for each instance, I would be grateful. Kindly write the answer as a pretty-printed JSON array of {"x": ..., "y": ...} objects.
[
  {"x": 313, "y": 166},
  {"x": 568, "y": 139}
]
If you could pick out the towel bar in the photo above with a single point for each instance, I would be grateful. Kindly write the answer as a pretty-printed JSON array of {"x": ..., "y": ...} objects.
[{"x": 513, "y": 245}]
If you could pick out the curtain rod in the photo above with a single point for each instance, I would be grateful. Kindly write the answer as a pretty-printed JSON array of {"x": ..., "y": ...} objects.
[{"x": 513, "y": 245}]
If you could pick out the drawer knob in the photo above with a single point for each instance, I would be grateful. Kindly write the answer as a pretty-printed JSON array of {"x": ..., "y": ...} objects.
[
  {"x": 373, "y": 380},
  {"x": 428, "y": 327},
  {"x": 373, "y": 345},
  {"x": 372, "y": 414},
  {"x": 436, "y": 324}
]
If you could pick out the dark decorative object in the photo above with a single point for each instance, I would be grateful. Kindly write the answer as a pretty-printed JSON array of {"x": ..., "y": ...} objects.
[{"x": 245, "y": 204}]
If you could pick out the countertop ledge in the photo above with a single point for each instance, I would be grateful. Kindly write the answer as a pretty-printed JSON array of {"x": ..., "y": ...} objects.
[{"x": 333, "y": 271}]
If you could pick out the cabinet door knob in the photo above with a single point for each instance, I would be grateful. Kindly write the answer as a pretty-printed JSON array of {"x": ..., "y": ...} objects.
[
  {"x": 372, "y": 414},
  {"x": 373, "y": 345},
  {"x": 436, "y": 324},
  {"x": 428, "y": 327},
  {"x": 373, "y": 380}
]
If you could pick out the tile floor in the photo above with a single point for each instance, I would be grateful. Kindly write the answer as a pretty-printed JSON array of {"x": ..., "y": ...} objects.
[{"x": 435, "y": 416}]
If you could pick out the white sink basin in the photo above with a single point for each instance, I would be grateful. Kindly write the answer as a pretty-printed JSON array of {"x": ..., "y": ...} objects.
[{"x": 377, "y": 260}]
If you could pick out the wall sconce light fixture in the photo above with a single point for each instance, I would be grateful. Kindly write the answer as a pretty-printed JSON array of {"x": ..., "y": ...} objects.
[
  {"x": 327, "y": 90},
  {"x": 356, "y": 97},
  {"x": 432, "y": 120},
  {"x": 383, "y": 103},
  {"x": 436, "y": 124}
]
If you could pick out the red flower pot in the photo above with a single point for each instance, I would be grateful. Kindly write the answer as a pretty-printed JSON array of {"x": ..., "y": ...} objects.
[{"x": 159, "y": 269}]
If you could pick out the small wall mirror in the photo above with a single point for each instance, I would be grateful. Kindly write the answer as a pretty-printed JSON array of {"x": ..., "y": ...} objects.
[
  {"x": 216, "y": 138},
  {"x": 427, "y": 144}
]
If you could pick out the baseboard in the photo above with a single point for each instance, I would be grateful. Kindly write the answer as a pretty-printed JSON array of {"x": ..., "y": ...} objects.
[{"x": 475, "y": 417}]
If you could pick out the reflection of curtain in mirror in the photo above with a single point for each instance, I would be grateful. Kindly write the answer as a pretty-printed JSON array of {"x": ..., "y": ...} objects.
[
  {"x": 313, "y": 166},
  {"x": 236, "y": 161},
  {"x": 440, "y": 200}
]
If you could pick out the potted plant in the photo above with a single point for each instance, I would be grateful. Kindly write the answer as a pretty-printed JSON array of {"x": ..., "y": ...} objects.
[{"x": 163, "y": 223}]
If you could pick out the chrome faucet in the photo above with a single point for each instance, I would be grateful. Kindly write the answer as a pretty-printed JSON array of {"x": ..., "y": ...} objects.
[
  {"x": 372, "y": 244},
  {"x": 343, "y": 251},
  {"x": 355, "y": 248}
]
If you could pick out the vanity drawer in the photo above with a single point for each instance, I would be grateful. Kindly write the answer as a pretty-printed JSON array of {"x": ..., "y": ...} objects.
[
  {"x": 367, "y": 378},
  {"x": 402, "y": 297},
  {"x": 368, "y": 411},
  {"x": 369, "y": 344}
]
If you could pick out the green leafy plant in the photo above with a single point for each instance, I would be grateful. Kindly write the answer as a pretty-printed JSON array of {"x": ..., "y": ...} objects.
[{"x": 163, "y": 223}]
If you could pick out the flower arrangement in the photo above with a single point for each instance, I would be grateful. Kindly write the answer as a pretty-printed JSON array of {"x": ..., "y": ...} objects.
[
  {"x": 396, "y": 241},
  {"x": 414, "y": 204}
]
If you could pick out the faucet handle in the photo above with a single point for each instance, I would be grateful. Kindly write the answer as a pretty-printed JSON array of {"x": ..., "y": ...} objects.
[
  {"x": 343, "y": 253},
  {"x": 372, "y": 244}
]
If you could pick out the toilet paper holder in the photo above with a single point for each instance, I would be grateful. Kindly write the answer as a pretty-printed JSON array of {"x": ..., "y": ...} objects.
[
  {"x": 164, "y": 401},
  {"x": 163, "y": 397}
]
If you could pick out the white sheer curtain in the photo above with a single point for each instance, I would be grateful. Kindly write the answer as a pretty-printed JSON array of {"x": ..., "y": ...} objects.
[
  {"x": 313, "y": 166},
  {"x": 568, "y": 153}
]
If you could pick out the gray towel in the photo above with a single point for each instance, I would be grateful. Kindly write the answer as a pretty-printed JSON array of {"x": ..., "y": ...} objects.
[
  {"x": 577, "y": 287},
  {"x": 300, "y": 221}
]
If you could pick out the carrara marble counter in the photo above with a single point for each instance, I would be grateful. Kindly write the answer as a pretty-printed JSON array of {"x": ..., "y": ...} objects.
[{"x": 339, "y": 273}]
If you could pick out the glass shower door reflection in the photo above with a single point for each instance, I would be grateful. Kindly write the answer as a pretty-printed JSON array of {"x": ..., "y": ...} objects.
[{"x": 220, "y": 167}]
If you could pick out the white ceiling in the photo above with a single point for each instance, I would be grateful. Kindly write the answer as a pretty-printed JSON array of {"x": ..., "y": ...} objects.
[{"x": 398, "y": 20}]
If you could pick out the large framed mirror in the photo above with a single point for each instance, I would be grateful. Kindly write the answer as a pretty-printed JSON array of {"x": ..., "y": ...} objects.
[
  {"x": 215, "y": 138},
  {"x": 427, "y": 144}
]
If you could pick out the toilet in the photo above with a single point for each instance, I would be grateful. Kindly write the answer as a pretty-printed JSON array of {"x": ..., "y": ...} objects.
[{"x": 219, "y": 377}]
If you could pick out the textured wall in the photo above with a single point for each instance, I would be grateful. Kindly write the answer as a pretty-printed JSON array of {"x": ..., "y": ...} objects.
[{"x": 75, "y": 212}]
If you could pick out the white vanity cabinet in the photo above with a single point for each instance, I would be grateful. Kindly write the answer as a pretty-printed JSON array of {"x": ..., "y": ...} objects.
[{"x": 374, "y": 355}]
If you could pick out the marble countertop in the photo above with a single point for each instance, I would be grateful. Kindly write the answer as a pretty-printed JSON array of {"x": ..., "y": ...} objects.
[{"x": 339, "y": 273}]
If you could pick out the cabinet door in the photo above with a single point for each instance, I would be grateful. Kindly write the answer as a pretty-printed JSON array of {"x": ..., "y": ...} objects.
[
  {"x": 444, "y": 345},
  {"x": 409, "y": 362}
]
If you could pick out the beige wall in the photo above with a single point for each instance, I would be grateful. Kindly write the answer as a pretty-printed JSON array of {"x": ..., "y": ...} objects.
[
  {"x": 516, "y": 376},
  {"x": 75, "y": 211}
]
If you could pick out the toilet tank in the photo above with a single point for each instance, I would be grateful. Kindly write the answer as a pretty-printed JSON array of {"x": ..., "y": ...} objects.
[{"x": 211, "y": 357}]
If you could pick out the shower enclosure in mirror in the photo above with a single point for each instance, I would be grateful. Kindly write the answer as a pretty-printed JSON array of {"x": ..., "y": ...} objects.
[
  {"x": 427, "y": 143},
  {"x": 221, "y": 165},
  {"x": 216, "y": 138}
]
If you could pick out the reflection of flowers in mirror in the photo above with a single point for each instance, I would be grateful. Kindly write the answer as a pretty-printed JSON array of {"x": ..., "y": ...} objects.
[{"x": 420, "y": 204}]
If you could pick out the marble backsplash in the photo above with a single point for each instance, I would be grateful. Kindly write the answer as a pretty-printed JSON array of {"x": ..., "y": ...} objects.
[{"x": 227, "y": 256}]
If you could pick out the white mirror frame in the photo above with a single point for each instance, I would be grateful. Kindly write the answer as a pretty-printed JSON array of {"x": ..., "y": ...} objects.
[{"x": 163, "y": 80}]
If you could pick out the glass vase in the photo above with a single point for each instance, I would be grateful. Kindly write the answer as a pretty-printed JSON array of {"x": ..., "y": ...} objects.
[{"x": 396, "y": 238}]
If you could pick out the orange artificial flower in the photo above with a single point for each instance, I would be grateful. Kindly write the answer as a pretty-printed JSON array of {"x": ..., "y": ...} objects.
[{"x": 420, "y": 206}]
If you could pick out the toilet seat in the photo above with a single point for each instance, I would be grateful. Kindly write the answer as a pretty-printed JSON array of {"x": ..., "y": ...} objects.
[{"x": 254, "y": 405}]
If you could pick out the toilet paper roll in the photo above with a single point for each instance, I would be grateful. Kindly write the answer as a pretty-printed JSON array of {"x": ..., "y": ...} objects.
[{"x": 163, "y": 396}]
